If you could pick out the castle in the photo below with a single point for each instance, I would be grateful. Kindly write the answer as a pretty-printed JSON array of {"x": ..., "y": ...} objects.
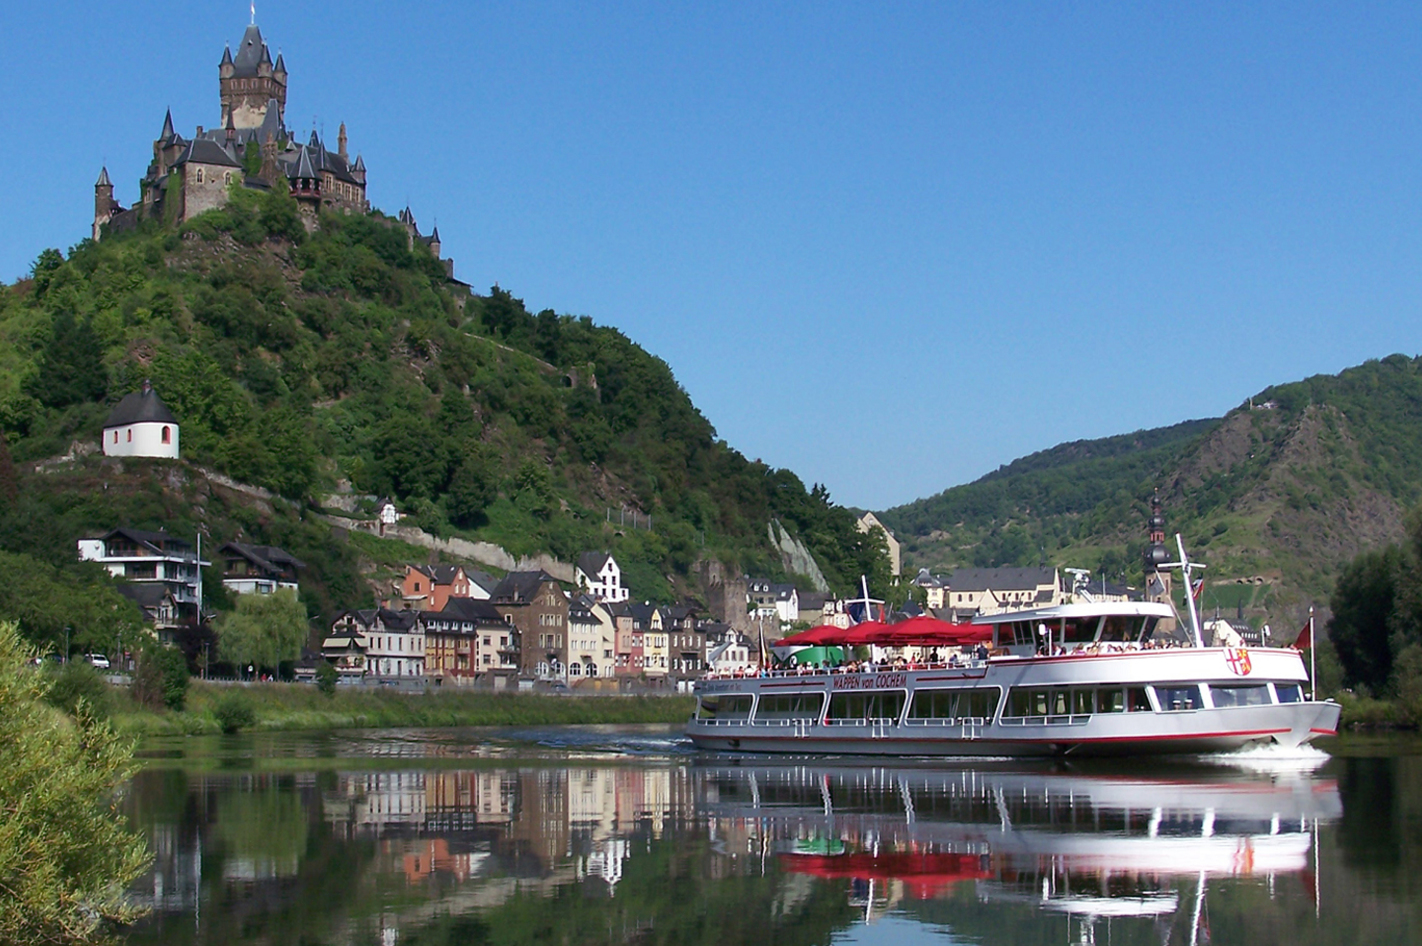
[{"x": 252, "y": 148}]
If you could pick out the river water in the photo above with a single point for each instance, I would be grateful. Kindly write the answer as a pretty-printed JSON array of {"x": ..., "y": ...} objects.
[{"x": 614, "y": 835}]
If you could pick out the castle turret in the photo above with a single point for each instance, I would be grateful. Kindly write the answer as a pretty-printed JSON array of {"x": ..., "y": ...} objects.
[
  {"x": 341, "y": 141},
  {"x": 104, "y": 204},
  {"x": 1157, "y": 577}
]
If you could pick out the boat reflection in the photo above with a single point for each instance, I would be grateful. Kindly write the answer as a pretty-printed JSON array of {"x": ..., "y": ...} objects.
[{"x": 1088, "y": 844}]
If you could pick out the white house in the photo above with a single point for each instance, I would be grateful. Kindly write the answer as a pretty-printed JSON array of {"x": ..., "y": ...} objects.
[
  {"x": 599, "y": 575},
  {"x": 393, "y": 642},
  {"x": 151, "y": 558},
  {"x": 141, "y": 426},
  {"x": 591, "y": 636}
]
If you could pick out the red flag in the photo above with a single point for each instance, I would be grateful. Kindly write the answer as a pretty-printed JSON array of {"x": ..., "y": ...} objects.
[
  {"x": 1305, "y": 638},
  {"x": 1198, "y": 591}
]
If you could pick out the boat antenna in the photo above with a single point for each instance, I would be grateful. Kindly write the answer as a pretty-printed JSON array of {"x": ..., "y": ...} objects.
[{"x": 1186, "y": 567}]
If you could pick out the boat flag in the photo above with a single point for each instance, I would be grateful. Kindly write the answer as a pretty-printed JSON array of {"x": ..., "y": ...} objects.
[
  {"x": 1305, "y": 639},
  {"x": 1198, "y": 590}
]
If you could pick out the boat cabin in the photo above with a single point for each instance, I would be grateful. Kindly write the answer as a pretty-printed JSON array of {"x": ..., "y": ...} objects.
[{"x": 1099, "y": 627}]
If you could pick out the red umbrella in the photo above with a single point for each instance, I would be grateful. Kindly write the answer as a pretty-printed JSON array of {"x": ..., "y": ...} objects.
[
  {"x": 928, "y": 631},
  {"x": 866, "y": 632},
  {"x": 814, "y": 637}
]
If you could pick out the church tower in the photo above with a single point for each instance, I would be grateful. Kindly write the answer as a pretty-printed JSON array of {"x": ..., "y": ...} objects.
[
  {"x": 1157, "y": 578},
  {"x": 251, "y": 84}
]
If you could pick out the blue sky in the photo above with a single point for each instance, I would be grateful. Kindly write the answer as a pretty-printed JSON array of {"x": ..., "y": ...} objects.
[{"x": 888, "y": 246}]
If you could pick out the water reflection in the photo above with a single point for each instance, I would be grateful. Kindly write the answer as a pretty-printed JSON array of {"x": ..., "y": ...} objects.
[{"x": 617, "y": 844}]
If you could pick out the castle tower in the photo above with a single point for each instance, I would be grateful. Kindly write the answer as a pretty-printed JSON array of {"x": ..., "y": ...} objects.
[
  {"x": 341, "y": 142},
  {"x": 250, "y": 82},
  {"x": 104, "y": 204}
]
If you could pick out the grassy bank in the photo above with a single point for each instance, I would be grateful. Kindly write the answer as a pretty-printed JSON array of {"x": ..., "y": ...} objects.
[{"x": 277, "y": 706}]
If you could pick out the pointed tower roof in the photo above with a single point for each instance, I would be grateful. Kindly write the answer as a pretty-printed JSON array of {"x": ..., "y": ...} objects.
[
  {"x": 304, "y": 170},
  {"x": 103, "y": 180},
  {"x": 360, "y": 163},
  {"x": 226, "y": 56},
  {"x": 434, "y": 237},
  {"x": 167, "y": 131},
  {"x": 250, "y": 52},
  {"x": 280, "y": 63},
  {"x": 315, "y": 141}
]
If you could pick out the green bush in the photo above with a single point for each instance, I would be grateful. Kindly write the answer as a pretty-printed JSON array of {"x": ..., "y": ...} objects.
[
  {"x": 161, "y": 677},
  {"x": 326, "y": 677},
  {"x": 76, "y": 682},
  {"x": 234, "y": 712}
]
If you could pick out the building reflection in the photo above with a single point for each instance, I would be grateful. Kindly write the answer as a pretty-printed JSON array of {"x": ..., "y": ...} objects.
[{"x": 422, "y": 843}]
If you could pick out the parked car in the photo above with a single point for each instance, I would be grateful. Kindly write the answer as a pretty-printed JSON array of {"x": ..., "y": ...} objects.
[{"x": 98, "y": 660}]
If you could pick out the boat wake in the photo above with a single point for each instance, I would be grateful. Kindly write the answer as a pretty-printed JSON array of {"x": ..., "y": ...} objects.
[{"x": 1266, "y": 759}]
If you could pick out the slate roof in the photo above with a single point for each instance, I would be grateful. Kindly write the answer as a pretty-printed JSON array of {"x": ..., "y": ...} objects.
[
  {"x": 591, "y": 562},
  {"x": 147, "y": 595},
  {"x": 519, "y": 587},
  {"x": 483, "y": 579},
  {"x": 139, "y": 407},
  {"x": 812, "y": 601},
  {"x": 266, "y": 557},
  {"x": 642, "y": 613},
  {"x": 439, "y": 574},
  {"x": 154, "y": 540},
  {"x": 1000, "y": 579},
  {"x": 251, "y": 52},
  {"x": 207, "y": 151},
  {"x": 467, "y": 610},
  {"x": 103, "y": 180}
]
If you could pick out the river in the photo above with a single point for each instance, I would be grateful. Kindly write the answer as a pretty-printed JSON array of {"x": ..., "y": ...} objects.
[{"x": 615, "y": 835}]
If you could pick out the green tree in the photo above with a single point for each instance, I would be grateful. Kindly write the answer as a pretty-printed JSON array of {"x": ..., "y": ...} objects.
[
  {"x": 474, "y": 486},
  {"x": 66, "y": 854},
  {"x": 263, "y": 631},
  {"x": 160, "y": 677},
  {"x": 1363, "y": 608},
  {"x": 71, "y": 369}
]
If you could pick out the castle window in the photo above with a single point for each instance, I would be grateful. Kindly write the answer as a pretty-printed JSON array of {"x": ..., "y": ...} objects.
[
  {"x": 167, "y": 435},
  {"x": 129, "y": 432},
  {"x": 227, "y": 178},
  {"x": 199, "y": 175}
]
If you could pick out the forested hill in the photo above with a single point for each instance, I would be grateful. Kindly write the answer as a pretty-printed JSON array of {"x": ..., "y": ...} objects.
[
  {"x": 303, "y": 363},
  {"x": 1288, "y": 486}
]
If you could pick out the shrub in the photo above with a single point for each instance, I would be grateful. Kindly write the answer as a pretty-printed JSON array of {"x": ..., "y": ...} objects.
[
  {"x": 161, "y": 677},
  {"x": 75, "y": 682},
  {"x": 234, "y": 712},
  {"x": 326, "y": 677}
]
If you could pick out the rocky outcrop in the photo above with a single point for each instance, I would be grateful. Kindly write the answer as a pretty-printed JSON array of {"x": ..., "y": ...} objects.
[{"x": 795, "y": 558}]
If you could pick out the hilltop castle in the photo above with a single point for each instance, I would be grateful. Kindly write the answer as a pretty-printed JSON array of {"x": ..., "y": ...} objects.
[{"x": 251, "y": 147}]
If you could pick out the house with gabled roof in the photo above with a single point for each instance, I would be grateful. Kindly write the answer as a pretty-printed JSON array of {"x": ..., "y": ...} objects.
[
  {"x": 258, "y": 569},
  {"x": 597, "y": 574},
  {"x": 140, "y": 557},
  {"x": 989, "y": 590},
  {"x": 430, "y": 587},
  {"x": 535, "y": 603},
  {"x": 591, "y": 638},
  {"x": 468, "y": 640}
]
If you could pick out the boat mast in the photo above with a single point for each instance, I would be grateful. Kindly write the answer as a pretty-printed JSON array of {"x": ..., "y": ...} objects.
[{"x": 1186, "y": 567}]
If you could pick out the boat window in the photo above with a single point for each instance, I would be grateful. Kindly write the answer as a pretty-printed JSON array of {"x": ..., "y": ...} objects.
[
  {"x": 1179, "y": 696},
  {"x": 735, "y": 706},
  {"x": 790, "y": 706},
  {"x": 1122, "y": 700},
  {"x": 1080, "y": 630},
  {"x": 1122, "y": 628},
  {"x": 1252, "y": 694},
  {"x": 1288, "y": 692},
  {"x": 980, "y": 703},
  {"x": 881, "y": 704},
  {"x": 1050, "y": 701}
]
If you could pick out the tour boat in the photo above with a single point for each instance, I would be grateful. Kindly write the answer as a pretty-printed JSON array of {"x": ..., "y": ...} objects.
[{"x": 1085, "y": 678}]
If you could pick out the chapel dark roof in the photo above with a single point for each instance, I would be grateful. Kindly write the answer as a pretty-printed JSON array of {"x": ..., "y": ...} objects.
[
  {"x": 268, "y": 557},
  {"x": 139, "y": 407},
  {"x": 206, "y": 151},
  {"x": 591, "y": 562}
]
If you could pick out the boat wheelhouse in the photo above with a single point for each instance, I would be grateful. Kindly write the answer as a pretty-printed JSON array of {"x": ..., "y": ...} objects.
[{"x": 1086, "y": 678}]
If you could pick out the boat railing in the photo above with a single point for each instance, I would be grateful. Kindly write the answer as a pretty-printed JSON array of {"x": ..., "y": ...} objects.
[
  {"x": 1077, "y": 719},
  {"x": 953, "y": 721},
  {"x": 812, "y": 672}
]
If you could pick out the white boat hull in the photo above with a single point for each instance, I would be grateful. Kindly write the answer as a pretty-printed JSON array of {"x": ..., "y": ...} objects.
[{"x": 1201, "y": 730}]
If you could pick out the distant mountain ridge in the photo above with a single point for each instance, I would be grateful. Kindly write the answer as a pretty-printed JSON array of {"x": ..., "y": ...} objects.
[{"x": 1286, "y": 487}]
